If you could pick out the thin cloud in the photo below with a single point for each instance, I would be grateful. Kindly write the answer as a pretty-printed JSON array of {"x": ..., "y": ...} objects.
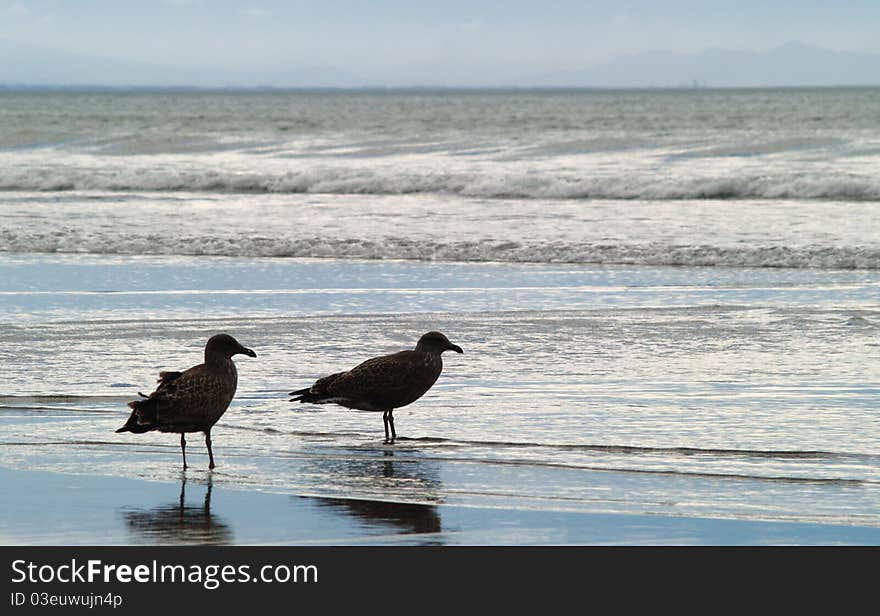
[
  {"x": 19, "y": 9},
  {"x": 473, "y": 24},
  {"x": 253, "y": 12}
]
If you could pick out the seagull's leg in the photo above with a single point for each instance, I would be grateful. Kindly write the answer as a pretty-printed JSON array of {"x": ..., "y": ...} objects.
[
  {"x": 385, "y": 423},
  {"x": 391, "y": 423},
  {"x": 210, "y": 453},
  {"x": 183, "y": 448}
]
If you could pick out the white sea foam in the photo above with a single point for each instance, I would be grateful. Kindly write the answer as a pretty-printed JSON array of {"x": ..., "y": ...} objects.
[
  {"x": 492, "y": 184},
  {"x": 801, "y": 257}
]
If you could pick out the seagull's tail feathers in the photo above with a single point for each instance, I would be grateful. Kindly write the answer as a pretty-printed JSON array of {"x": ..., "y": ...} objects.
[
  {"x": 306, "y": 395},
  {"x": 143, "y": 416},
  {"x": 319, "y": 393}
]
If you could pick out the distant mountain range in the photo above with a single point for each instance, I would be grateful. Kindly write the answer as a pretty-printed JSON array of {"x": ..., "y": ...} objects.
[
  {"x": 792, "y": 64},
  {"x": 22, "y": 65}
]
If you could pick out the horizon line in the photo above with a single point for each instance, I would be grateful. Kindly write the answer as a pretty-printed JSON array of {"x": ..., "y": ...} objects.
[{"x": 90, "y": 87}]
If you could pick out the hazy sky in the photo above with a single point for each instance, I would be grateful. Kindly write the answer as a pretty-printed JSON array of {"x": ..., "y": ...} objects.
[{"x": 396, "y": 41}]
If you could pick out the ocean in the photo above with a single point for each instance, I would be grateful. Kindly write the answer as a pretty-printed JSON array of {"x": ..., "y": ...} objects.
[{"x": 668, "y": 301}]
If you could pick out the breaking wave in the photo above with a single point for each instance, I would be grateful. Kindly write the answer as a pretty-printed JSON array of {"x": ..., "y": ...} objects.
[
  {"x": 800, "y": 257},
  {"x": 491, "y": 184}
]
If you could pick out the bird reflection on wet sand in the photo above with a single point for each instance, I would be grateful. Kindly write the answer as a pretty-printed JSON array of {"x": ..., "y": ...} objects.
[
  {"x": 180, "y": 523},
  {"x": 408, "y": 518}
]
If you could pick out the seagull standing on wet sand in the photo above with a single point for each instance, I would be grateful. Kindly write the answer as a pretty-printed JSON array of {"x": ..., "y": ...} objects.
[
  {"x": 191, "y": 401},
  {"x": 383, "y": 383}
]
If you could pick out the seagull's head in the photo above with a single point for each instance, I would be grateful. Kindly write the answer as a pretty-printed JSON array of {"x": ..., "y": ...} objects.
[
  {"x": 435, "y": 342},
  {"x": 224, "y": 346}
]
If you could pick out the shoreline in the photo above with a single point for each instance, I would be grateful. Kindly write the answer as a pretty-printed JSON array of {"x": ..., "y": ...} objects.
[{"x": 97, "y": 510}]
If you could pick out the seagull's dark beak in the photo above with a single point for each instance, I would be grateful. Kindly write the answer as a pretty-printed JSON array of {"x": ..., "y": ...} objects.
[
  {"x": 455, "y": 347},
  {"x": 248, "y": 352}
]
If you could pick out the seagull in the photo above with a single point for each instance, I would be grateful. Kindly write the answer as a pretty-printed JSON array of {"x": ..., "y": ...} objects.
[
  {"x": 193, "y": 400},
  {"x": 383, "y": 383}
]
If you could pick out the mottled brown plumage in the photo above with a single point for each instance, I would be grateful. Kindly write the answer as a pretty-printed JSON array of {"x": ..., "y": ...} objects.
[
  {"x": 193, "y": 400},
  {"x": 383, "y": 383}
]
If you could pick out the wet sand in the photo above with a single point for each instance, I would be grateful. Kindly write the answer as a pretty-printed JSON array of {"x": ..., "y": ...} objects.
[{"x": 43, "y": 508}]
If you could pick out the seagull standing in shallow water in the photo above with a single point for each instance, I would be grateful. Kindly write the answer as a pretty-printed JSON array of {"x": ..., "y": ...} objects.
[
  {"x": 193, "y": 400},
  {"x": 383, "y": 383}
]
